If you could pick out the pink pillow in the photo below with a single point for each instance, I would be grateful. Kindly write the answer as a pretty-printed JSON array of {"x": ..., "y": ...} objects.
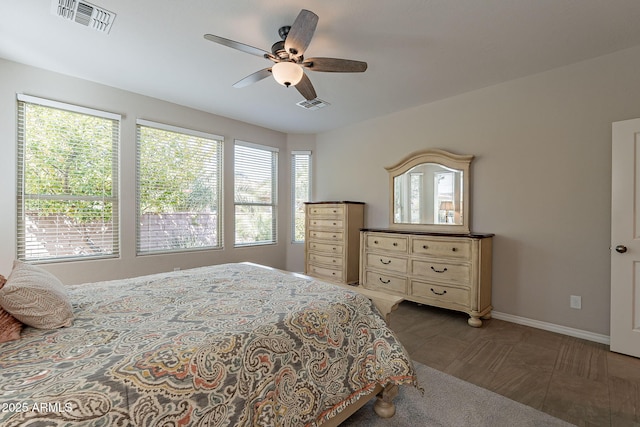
[{"x": 9, "y": 326}]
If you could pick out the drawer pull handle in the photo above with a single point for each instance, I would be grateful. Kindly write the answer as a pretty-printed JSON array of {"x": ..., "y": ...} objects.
[
  {"x": 386, "y": 282},
  {"x": 395, "y": 243},
  {"x": 425, "y": 247},
  {"x": 334, "y": 236},
  {"x": 439, "y": 271},
  {"x": 454, "y": 249},
  {"x": 334, "y": 223},
  {"x": 375, "y": 241},
  {"x": 439, "y": 293},
  {"x": 385, "y": 263}
]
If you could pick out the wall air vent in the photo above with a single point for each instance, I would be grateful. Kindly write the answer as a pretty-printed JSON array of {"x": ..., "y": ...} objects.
[
  {"x": 314, "y": 104},
  {"x": 84, "y": 13}
]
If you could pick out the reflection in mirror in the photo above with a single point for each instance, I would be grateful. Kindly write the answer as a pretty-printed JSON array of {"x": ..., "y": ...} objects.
[{"x": 429, "y": 191}]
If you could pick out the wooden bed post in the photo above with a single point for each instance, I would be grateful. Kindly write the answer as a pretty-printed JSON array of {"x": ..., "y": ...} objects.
[{"x": 384, "y": 406}]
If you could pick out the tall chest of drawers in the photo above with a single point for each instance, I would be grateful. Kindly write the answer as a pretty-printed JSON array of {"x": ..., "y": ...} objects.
[
  {"x": 332, "y": 240},
  {"x": 449, "y": 271}
]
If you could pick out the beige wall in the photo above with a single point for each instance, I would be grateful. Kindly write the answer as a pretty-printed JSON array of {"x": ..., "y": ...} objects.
[
  {"x": 540, "y": 180},
  {"x": 16, "y": 78}
]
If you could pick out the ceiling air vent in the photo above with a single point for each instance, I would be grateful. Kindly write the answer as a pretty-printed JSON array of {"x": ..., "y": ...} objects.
[
  {"x": 84, "y": 13},
  {"x": 314, "y": 104}
]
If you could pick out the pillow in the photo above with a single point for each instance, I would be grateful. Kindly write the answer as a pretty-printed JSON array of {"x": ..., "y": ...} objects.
[
  {"x": 36, "y": 297},
  {"x": 9, "y": 326}
]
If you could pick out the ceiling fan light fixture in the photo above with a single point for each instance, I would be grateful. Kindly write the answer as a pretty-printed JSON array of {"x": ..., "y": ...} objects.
[
  {"x": 287, "y": 73},
  {"x": 289, "y": 68}
]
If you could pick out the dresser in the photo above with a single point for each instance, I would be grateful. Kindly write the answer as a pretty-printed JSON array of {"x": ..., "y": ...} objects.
[
  {"x": 451, "y": 271},
  {"x": 332, "y": 240}
]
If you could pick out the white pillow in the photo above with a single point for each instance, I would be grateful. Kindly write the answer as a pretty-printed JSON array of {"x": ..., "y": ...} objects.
[
  {"x": 9, "y": 326},
  {"x": 36, "y": 297}
]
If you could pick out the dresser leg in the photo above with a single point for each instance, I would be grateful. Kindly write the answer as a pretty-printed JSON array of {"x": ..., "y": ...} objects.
[{"x": 474, "y": 321}]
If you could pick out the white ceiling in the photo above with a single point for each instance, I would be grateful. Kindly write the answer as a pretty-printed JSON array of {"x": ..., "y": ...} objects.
[{"x": 418, "y": 51}]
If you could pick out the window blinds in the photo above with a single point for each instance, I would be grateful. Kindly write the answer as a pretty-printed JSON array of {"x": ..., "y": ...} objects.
[
  {"x": 179, "y": 187},
  {"x": 67, "y": 193},
  {"x": 255, "y": 193},
  {"x": 300, "y": 191}
]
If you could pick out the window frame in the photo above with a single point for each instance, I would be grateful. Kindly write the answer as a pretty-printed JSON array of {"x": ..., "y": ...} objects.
[
  {"x": 219, "y": 140},
  {"x": 274, "y": 191},
  {"x": 22, "y": 100}
]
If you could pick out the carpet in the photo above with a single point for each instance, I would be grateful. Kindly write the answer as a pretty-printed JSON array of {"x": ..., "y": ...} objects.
[{"x": 451, "y": 402}]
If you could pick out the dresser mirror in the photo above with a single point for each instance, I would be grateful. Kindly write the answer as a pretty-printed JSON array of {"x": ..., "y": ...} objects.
[{"x": 429, "y": 191}]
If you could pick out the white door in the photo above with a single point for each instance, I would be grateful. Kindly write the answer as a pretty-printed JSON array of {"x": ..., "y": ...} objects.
[{"x": 625, "y": 238}]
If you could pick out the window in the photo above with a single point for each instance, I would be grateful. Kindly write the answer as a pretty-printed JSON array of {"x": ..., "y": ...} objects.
[
  {"x": 255, "y": 194},
  {"x": 300, "y": 191},
  {"x": 415, "y": 184},
  {"x": 67, "y": 181},
  {"x": 444, "y": 195},
  {"x": 179, "y": 189}
]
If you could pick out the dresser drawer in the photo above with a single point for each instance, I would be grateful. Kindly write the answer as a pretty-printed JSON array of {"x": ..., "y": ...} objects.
[
  {"x": 325, "y": 247},
  {"x": 440, "y": 295},
  {"x": 336, "y": 211},
  {"x": 454, "y": 273},
  {"x": 325, "y": 272},
  {"x": 387, "y": 243},
  {"x": 326, "y": 223},
  {"x": 326, "y": 235},
  {"x": 317, "y": 258},
  {"x": 387, "y": 263},
  {"x": 386, "y": 282},
  {"x": 450, "y": 248}
]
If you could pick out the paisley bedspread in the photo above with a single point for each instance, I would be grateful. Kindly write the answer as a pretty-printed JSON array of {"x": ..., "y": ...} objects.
[{"x": 226, "y": 345}]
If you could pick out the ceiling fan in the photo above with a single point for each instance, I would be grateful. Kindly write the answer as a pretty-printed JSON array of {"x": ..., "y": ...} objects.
[{"x": 287, "y": 54}]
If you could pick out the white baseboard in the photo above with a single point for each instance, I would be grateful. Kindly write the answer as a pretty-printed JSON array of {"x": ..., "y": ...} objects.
[{"x": 577, "y": 333}]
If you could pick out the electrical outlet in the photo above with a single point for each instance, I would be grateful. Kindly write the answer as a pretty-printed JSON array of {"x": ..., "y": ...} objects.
[{"x": 575, "y": 301}]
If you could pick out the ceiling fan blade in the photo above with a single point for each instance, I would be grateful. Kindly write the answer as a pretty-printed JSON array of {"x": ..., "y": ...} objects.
[
  {"x": 306, "y": 88},
  {"x": 253, "y": 78},
  {"x": 335, "y": 65},
  {"x": 301, "y": 33},
  {"x": 237, "y": 45}
]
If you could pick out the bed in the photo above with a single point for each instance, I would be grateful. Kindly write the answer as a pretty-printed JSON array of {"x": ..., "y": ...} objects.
[{"x": 225, "y": 345}]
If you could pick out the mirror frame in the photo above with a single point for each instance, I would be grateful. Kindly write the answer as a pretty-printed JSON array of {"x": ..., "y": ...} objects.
[{"x": 444, "y": 158}]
